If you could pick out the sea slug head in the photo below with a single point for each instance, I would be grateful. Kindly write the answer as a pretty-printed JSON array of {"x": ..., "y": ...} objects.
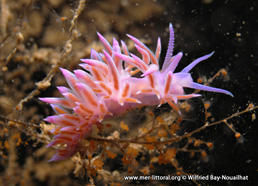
[{"x": 175, "y": 82}]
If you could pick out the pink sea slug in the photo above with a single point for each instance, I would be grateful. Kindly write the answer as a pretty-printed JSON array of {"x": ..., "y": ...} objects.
[{"x": 110, "y": 89}]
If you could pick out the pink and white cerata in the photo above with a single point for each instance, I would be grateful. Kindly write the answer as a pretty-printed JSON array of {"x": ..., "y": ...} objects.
[{"x": 109, "y": 87}]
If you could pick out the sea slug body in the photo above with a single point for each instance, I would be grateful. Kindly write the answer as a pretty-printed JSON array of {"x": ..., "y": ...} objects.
[{"x": 110, "y": 89}]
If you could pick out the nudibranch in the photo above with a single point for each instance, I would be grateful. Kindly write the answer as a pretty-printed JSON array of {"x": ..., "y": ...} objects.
[{"x": 109, "y": 87}]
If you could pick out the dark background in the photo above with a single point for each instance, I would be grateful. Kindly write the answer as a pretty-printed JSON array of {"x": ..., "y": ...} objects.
[{"x": 230, "y": 29}]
